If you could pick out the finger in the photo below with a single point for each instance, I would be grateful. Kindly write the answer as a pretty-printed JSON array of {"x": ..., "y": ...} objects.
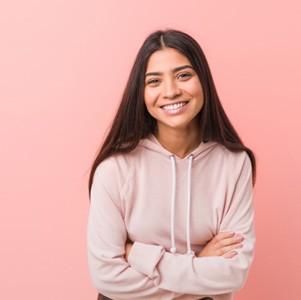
[
  {"x": 230, "y": 248},
  {"x": 230, "y": 241},
  {"x": 224, "y": 235},
  {"x": 230, "y": 254}
]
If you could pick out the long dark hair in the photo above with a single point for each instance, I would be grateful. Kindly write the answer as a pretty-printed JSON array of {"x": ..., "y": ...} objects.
[{"x": 133, "y": 122}]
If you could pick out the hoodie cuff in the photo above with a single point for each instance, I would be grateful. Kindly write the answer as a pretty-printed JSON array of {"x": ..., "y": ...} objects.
[{"x": 144, "y": 258}]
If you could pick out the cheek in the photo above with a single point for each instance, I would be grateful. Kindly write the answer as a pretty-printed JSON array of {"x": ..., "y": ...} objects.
[
  {"x": 198, "y": 92},
  {"x": 149, "y": 97},
  {"x": 195, "y": 88}
]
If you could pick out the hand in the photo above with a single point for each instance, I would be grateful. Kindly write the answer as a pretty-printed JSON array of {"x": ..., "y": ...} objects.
[
  {"x": 128, "y": 247},
  {"x": 223, "y": 244}
]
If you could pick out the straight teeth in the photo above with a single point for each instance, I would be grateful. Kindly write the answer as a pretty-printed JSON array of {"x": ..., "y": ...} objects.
[{"x": 174, "y": 106}]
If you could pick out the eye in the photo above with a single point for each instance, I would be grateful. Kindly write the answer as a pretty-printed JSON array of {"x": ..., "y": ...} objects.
[
  {"x": 153, "y": 82},
  {"x": 184, "y": 76}
]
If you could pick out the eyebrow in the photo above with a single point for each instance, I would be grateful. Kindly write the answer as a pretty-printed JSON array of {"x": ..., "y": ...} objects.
[{"x": 174, "y": 70}]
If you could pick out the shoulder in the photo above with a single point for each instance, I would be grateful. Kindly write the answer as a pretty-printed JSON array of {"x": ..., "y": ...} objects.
[
  {"x": 114, "y": 172},
  {"x": 238, "y": 162},
  {"x": 121, "y": 162}
]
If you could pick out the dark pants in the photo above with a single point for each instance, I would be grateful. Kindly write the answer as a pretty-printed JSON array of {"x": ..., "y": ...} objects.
[{"x": 100, "y": 297}]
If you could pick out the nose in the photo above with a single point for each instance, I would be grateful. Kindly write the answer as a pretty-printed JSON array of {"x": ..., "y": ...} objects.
[{"x": 171, "y": 89}]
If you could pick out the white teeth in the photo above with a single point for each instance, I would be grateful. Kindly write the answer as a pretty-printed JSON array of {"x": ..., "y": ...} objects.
[{"x": 174, "y": 106}]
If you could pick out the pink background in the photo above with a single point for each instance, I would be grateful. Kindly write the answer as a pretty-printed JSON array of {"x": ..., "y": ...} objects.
[{"x": 63, "y": 66}]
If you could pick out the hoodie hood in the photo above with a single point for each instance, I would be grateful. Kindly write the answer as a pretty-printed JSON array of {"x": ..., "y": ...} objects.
[{"x": 153, "y": 144}]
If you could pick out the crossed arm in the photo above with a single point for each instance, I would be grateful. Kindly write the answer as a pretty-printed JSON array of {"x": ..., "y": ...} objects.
[{"x": 223, "y": 244}]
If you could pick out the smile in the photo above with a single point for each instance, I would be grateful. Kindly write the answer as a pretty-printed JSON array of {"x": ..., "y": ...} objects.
[{"x": 174, "y": 106}]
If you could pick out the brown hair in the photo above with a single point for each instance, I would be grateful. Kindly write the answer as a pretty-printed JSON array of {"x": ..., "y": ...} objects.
[{"x": 133, "y": 122}]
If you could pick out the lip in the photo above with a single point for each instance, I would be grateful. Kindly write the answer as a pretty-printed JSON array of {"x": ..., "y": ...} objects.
[{"x": 174, "y": 107}]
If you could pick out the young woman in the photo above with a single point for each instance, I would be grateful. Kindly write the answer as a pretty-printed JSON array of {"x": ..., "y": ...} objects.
[{"x": 171, "y": 212}]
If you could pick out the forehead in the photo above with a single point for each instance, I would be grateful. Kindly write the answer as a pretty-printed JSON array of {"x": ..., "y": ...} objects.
[{"x": 165, "y": 59}]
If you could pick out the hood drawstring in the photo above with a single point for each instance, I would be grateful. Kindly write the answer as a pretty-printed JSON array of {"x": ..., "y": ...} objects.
[
  {"x": 188, "y": 206},
  {"x": 173, "y": 248}
]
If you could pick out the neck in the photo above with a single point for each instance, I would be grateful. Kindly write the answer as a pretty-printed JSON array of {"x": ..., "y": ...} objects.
[{"x": 178, "y": 142}]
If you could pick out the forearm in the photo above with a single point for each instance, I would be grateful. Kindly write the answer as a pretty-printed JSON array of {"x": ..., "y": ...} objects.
[
  {"x": 206, "y": 275},
  {"x": 117, "y": 280}
]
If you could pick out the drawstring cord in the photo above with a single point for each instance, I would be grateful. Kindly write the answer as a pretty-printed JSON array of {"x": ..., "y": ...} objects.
[
  {"x": 188, "y": 206},
  {"x": 173, "y": 248}
]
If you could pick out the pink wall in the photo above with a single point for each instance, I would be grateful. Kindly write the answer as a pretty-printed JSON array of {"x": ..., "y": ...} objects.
[{"x": 63, "y": 65}]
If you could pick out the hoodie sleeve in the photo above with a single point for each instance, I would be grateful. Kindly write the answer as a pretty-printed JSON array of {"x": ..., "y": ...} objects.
[
  {"x": 106, "y": 238},
  {"x": 212, "y": 275}
]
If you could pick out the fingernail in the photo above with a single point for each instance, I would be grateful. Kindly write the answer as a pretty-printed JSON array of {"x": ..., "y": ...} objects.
[
  {"x": 239, "y": 246},
  {"x": 239, "y": 238}
]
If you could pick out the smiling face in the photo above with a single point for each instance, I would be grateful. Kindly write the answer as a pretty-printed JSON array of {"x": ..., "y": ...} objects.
[{"x": 173, "y": 93}]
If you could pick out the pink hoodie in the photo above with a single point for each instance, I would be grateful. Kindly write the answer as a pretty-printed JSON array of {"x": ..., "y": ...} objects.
[{"x": 170, "y": 208}]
